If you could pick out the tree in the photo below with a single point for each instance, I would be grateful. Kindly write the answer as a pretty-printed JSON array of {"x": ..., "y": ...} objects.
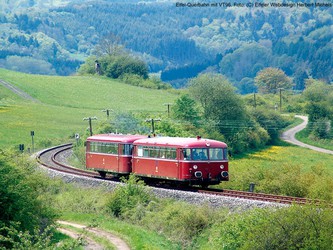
[
  {"x": 245, "y": 61},
  {"x": 319, "y": 98},
  {"x": 186, "y": 109},
  {"x": 222, "y": 105},
  {"x": 217, "y": 97},
  {"x": 116, "y": 66},
  {"x": 110, "y": 45},
  {"x": 269, "y": 80}
]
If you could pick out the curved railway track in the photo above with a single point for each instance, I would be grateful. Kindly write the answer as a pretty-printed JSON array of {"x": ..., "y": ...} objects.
[{"x": 54, "y": 158}]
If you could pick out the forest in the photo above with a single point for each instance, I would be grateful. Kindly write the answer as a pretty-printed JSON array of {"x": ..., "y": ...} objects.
[{"x": 179, "y": 43}]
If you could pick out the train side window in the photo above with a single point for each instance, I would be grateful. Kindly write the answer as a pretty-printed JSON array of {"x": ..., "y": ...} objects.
[
  {"x": 164, "y": 153},
  {"x": 111, "y": 148},
  {"x": 173, "y": 152},
  {"x": 154, "y": 152},
  {"x": 146, "y": 151},
  {"x": 140, "y": 151},
  {"x": 186, "y": 154}
]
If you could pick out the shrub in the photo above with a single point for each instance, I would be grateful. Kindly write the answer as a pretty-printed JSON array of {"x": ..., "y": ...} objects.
[
  {"x": 295, "y": 227},
  {"x": 128, "y": 197},
  {"x": 271, "y": 121},
  {"x": 181, "y": 222},
  {"x": 23, "y": 204},
  {"x": 321, "y": 128}
]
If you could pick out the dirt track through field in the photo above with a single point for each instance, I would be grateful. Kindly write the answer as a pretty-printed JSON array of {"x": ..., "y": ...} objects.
[
  {"x": 18, "y": 91},
  {"x": 90, "y": 243}
]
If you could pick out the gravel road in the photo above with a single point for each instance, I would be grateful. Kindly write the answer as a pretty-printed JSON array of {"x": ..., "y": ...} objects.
[
  {"x": 289, "y": 136},
  {"x": 18, "y": 91}
]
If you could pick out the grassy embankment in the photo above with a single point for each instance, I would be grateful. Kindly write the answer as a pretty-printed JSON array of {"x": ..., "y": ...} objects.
[{"x": 65, "y": 101}]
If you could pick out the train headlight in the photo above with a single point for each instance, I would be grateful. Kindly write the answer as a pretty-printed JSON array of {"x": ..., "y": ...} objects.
[
  {"x": 198, "y": 174},
  {"x": 224, "y": 174},
  {"x": 221, "y": 167},
  {"x": 195, "y": 167}
]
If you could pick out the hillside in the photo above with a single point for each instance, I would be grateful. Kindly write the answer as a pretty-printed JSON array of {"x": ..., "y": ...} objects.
[
  {"x": 179, "y": 42},
  {"x": 65, "y": 101}
]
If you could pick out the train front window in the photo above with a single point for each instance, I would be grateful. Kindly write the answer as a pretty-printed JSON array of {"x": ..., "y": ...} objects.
[
  {"x": 196, "y": 154},
  {"x": 216, "y": 154}
]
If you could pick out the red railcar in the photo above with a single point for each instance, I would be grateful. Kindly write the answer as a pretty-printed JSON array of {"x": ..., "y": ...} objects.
[
  {"x": 186, "y": 160},
  {"x": 110, "y": 153}
]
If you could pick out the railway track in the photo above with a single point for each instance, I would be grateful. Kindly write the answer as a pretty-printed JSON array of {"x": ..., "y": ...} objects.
[
  {"x": 55, "y": 158},
  {"x": 258, "y": 196}
]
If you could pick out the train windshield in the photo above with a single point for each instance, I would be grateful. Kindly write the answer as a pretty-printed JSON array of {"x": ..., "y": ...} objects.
[{"x": 202, "y": 154}]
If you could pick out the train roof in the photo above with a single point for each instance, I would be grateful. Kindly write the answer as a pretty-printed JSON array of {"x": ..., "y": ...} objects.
[
  {"x": 115, "y": 138},
  {"x": 180, "y": 142}
]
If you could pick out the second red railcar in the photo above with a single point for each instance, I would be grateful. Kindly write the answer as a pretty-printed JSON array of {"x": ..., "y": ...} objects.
[{"x": 110, "y": 153}]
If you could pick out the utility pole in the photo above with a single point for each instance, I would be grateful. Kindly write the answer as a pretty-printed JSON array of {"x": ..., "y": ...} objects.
[
  {"x": 153, "y": 124},
  {"x": 280, "y": 89},
  {"x": 168, "y": 104},
  {"x": 107, "y": 112},
  {"x": 90, "y": 126},
  {"x": 32, "y": 133}
]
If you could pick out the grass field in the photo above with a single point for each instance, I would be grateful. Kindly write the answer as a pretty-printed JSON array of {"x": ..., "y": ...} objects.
[
  {"x": 323, "y": 143},
  {"x": 65, "y": 101}
]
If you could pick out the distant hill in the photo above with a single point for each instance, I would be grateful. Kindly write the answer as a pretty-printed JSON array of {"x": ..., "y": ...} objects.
[{"x": 179, "y": 41}]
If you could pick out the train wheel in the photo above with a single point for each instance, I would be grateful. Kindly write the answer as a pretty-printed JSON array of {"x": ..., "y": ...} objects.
[{"x": 102, "y": 174}]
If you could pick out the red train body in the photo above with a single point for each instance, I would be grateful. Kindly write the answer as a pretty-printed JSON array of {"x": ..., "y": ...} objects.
[
  {"x": 110, "y": 153},
  {"x": 193, "y": 161}
]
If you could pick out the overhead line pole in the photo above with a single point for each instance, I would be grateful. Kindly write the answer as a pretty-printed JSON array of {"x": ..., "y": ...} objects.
[
  {"x": 168, "y": 104},
  {"x": 153, "y": 124},
  {"x": 90, "y": 126},
  {"x": 107, "y": 112},
  {"x": 280, "y": 89}
]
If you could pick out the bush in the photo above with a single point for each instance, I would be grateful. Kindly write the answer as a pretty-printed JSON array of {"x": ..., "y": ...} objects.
[
  {"x": 127, "y": 198},
  {"x": 295, "y": 227},
  {"x": 180, "y": 222},
  {"x": 149, "y": 83},
  {"x": 321, "y": 128},
  {"x": 23, "y": 204},
  {"x": 271, "y": 121}
]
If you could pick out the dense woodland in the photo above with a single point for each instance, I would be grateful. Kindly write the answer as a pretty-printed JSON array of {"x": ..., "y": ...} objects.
[{"x": 178, "y": 42}]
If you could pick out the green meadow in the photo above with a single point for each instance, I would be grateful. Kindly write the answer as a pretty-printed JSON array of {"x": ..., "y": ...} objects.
[{"x": 64, "y": 102}]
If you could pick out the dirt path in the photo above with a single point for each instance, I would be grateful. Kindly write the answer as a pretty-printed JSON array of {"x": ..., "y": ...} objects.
[
  {"x": 91, "y": 244},
  {"x": 289, "y": 136},
  {"x": 18, "y": 91}
]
